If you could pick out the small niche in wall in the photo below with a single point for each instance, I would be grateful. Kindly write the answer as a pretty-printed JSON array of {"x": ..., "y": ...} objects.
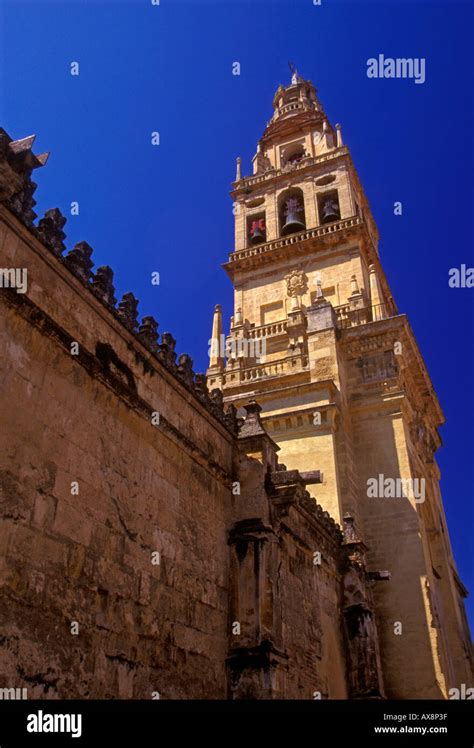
[
  {"x": 255, "y": 202},
  {"x": 328, "y": 179}
]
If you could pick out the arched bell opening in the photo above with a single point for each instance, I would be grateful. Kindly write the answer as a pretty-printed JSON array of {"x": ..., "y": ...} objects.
[
  {"x": 292, "y": 154},
  {"x": 291, "y": 212},
  {"x": 328, "y": 207},
  {"x": 256, "y": 229}
]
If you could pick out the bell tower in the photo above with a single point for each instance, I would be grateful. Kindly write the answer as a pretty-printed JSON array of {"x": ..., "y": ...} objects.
[
  {"x": 305, "y": 264},
  {"x": 317, "y": 340}
]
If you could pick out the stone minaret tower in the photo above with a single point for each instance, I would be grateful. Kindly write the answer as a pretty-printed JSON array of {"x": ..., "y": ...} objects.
[{"x": 317, "y": 340}]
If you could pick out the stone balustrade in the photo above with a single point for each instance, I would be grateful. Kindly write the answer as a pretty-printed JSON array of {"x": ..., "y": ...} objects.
[
  {"x": 289, "y": 365},
  {"x": 251, "y": 181},
  {"x": 328, "y": 228},
  {"x": 268, "y": 331}
]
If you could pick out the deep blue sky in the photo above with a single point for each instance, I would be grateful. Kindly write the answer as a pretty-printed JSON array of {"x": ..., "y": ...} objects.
[{"x": 145, "y": 68}]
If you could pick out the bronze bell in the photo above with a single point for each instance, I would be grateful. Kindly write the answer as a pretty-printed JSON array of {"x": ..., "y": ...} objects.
[
  {"x": 257, "y": 236},
  {"x": 330, "y": 210},
  {"x": 256, "y": 232},
  {"x": 293, "y": 223}
]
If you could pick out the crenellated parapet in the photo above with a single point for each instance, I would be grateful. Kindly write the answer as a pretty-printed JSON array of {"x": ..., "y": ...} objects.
[
  {"x": 50, "y": 230},
  {"x": 17, "y": 161},
  {"x": 79, "y": 261}
]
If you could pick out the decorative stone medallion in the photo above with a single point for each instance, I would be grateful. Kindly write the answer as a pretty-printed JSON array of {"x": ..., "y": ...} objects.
[{"x": 296, "y": 283}]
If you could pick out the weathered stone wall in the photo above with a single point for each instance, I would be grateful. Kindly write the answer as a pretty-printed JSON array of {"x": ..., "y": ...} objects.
[
  {"x": 87, "y": 558},
  {"x": 312, "y": 613}
]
